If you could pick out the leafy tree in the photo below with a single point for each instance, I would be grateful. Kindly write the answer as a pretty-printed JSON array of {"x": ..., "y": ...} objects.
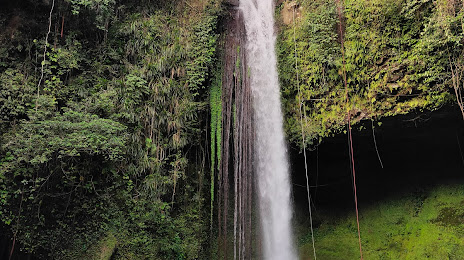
[{"x": 114, "y": 131}]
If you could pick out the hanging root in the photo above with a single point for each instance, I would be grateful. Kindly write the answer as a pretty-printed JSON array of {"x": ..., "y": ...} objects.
[
  {"x": 350, "y": 137},
  {"x": 236, "y": 122},
  {"x": 457, "y": 69},
  {"x": 375, "y": 144},
  {"x": 44, "y": 54},
  {"x": 303, "y": 138},
  {"x": 62, "y": 26}
]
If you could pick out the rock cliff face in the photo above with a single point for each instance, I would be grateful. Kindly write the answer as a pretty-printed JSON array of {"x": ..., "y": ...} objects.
[
  {"x": 233, "y": 3},
  {"x": 237, "y": 140},
  {"x": 291, "y": 10}
]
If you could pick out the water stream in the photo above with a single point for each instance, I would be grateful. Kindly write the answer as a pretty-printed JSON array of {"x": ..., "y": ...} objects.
[{"x": 270, "y": 145}]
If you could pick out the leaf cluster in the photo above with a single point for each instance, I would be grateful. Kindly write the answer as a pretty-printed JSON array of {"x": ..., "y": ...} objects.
[{"x": 396, "y": 61}]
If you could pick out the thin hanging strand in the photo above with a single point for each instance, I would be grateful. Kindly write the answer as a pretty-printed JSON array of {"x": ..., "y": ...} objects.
[
  {"x": 44, "y": 54},
  {"x": 350, "y": 137},
  {"x": 317, "y": 172},
  {"x": 375, "y": 144},
  {"x": 303, "y": 137}
]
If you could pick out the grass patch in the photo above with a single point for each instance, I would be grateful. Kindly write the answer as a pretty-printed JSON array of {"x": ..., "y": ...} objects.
[{"x": 424, "y": 225}]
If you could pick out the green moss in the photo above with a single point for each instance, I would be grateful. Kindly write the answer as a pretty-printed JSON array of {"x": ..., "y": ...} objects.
[
  {"x": 450, "y": 217},
  {"x": 216, "y": 133},
  {"x": 104, "y": 249},
  {"x": 428, "y": 225},
  {"x": 397, "y": 57}
]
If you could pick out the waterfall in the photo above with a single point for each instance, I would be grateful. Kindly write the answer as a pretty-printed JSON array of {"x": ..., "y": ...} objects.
[{"x": 271, "y": 160}]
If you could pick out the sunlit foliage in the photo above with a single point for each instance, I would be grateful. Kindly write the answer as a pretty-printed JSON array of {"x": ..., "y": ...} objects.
[{"x": 397, "y": 60}]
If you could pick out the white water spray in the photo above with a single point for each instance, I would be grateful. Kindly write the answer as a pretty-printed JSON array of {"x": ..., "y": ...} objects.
[{"x": 271, "y": 149}]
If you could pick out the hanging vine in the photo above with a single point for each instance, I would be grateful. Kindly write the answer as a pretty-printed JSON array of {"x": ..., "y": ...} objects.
[{"x": 216, "y": 128}]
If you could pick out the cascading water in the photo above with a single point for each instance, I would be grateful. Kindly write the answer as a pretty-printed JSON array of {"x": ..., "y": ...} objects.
[{"x": 272, "y": 166}]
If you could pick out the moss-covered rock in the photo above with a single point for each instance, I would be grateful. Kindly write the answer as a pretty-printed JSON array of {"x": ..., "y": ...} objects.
[{"x": 397, "y": 60}]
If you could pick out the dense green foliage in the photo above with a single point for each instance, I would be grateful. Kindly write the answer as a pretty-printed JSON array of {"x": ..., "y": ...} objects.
[
  {"x": 104, "y": 158},
  {"x": 107, "y": 156},
  {"x": 398, "y": 56}
]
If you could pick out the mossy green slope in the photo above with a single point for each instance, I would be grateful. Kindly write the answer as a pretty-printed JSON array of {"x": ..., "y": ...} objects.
[{"x": 429, "y": 225}]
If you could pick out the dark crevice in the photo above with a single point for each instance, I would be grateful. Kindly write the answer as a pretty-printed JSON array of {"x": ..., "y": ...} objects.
[{"x": 417, "y": 150}]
